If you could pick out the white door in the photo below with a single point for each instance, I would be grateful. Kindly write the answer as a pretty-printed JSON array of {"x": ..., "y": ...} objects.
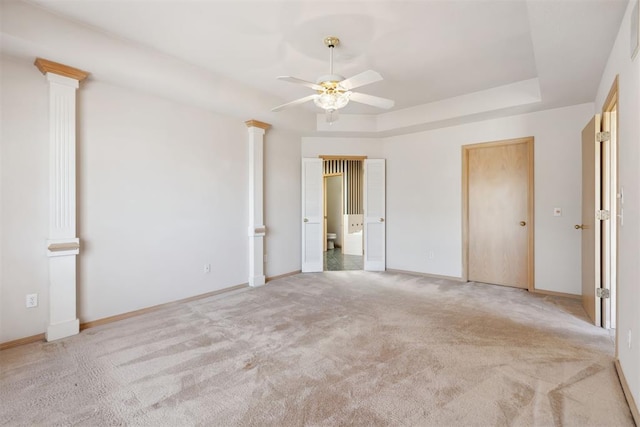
[
  {"x": 374, "y": 215},
  {"x": 312, "y": 215}
]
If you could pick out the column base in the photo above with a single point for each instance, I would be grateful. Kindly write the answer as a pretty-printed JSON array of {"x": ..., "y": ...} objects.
[
  {"x": 256, "y": 281},
  {"x": 63, "y": 330}
]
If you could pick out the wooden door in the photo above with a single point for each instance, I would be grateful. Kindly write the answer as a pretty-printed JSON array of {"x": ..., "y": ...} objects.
[
  {"x": 590, "y": 227},
  {"x": 312, "y": 215},
  {"x": 374, "y": 215},
  {"x": 608, "y": 201},
  {"x": 500, "y": 212}
]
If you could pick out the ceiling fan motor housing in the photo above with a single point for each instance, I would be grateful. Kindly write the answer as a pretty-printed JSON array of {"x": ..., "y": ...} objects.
[{"x": 329, "y": 78}]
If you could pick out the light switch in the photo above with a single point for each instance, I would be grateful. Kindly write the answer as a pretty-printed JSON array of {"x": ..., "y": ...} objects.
[{"x": 557, "y": 211}]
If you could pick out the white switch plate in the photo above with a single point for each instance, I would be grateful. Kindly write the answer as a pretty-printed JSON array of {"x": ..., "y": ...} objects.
[
  {"x": 207, "y": 268},
  {"x": 557, "y": 211}
]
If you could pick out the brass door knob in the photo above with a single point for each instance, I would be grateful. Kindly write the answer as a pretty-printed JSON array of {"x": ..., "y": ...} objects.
[
  {"x": 523, "y": 223},
  {"x": 381, "y": 220},
  {"x": 305, "y": 220},
  {"x": 579, "y": 226}
]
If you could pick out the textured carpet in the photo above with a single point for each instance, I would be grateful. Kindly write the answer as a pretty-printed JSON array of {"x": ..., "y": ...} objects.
[{"x": 334, "y": 348}]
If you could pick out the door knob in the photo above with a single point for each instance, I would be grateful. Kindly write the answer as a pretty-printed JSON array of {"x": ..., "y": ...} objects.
[
  {"x": 523, "y": 223},
  {"x": 579, "y": 226},
  {"x": 305, "y": 220},
  {"x": 381, "y": 220}
]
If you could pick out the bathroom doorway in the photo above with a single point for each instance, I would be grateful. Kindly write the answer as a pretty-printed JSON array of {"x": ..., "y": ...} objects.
[{"x": 343, "y": 214}]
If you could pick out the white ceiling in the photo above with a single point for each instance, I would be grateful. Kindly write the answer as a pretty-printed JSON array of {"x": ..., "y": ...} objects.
[{"x": 426, "y": 50}]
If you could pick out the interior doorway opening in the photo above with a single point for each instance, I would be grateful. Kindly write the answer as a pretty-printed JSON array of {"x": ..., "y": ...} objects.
[
  {"x": 343, "y": 233},
  {"x": 372, "y": 238}
]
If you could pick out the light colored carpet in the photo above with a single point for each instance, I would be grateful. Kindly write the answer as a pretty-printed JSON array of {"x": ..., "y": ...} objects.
[{"x": 336, "y": 348}]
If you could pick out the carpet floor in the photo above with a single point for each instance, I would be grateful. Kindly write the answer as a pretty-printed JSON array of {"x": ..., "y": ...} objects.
[{"x": 332, "y": 348}]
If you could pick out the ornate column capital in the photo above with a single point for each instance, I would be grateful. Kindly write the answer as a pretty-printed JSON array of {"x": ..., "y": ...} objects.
[
  {"x": 45, "y": 66},
  {"x": 257, "y": 124}
]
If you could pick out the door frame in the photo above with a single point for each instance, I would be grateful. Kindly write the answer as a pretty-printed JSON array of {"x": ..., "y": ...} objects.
[
  {"x": 529, "y": 141},
  {"x": 324, "y": 205},
  {"x": 611, "y": 229}
]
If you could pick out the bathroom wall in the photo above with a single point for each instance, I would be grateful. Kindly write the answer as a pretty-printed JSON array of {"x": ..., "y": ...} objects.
[{"x": 353, "y": 237}]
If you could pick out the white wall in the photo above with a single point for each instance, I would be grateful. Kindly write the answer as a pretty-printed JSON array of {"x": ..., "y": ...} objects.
[
  {"x": 24, "y": 199},
  {"x": 424, "y": 194},
  {"x": 162, "y": 191},
  {"x": 629, "y": 178},
  {"x": 318, "y": 146}
]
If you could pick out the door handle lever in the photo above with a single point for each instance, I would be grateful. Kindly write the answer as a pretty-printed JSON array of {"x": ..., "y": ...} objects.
[{"x": 578, "y": 226}]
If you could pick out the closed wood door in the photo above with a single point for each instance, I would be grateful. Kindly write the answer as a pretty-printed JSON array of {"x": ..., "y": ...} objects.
[
  {"x": 590, "y": 227},
  {"x": 500, "y": 213}
]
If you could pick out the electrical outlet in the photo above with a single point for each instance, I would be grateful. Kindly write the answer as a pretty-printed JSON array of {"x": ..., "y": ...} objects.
[
  {"x": 207, "y": 268},
  {"x": 31, "y": 300}
]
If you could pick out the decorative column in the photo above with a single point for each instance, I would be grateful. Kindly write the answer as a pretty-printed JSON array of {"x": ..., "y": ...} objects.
[
  {"x": 63, "y": 245},
  {"x": 257, "y": 229}
]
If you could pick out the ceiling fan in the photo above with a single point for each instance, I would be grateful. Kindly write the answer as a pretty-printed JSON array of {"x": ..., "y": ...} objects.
[{"x": 333, "y": 91}]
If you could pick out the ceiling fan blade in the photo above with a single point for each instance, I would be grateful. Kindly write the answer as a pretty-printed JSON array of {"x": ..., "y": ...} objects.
[
  {"x": 300, "y": 82},
  {"x": 376, "y": 101},
  {"x": 364, "y": 78},
  {"x": 293, "y": 103}
]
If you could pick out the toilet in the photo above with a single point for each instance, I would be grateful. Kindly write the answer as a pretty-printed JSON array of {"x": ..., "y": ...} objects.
[{"x": 330, "y": 239}]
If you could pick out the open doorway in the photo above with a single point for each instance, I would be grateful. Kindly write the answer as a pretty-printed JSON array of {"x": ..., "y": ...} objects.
[
  {"x": 343, "y": 214},
  {"x": 370, "y": 232}
]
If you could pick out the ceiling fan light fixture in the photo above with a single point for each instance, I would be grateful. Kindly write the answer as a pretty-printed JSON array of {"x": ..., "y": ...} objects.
[{"x": 333, "y": 100}]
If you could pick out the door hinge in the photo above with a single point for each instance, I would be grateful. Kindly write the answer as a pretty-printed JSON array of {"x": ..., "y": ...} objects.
[
  {"x": 603, "y": 136},
  {"x": 603, "y": 215},
  {"x": 603, "y": 293}
]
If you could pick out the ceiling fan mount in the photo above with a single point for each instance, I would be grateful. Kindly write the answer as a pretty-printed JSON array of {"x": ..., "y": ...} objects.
[
  {"x": 331, "y": 41},
  {"x": 334, "y": 92}
]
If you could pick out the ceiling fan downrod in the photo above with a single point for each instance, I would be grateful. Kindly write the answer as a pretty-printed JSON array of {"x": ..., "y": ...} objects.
[{"x": 331, "y": 42}]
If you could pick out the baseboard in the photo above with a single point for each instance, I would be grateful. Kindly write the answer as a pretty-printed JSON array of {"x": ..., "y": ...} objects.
[
  {"x": 432, "y": 276},
  {"x": 627, "y": 393},
  {"x": 282, "y": 276},
  {"x": 122, "y": 316},
  {"x": 117, "y": 317},
  {"x": 62, "y": 330},
  {"x": 557, "y": 294},
  {"x": 21, "y": 341}
]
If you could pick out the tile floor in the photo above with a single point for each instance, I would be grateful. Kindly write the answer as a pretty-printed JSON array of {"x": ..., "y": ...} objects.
[{"x": 334, "y": 260}]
